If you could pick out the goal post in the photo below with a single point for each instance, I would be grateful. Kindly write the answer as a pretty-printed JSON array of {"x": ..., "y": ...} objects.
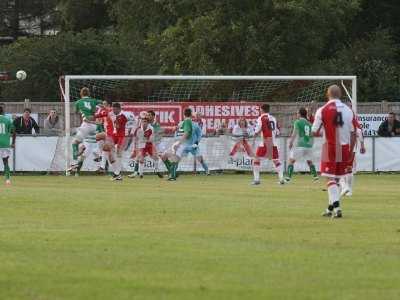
[{"x": 178, "y": 88}]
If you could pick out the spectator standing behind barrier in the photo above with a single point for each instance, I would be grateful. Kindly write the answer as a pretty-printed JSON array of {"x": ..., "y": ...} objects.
[
  {"x": 52, "y": 122},
  {"x": 389, "y": 127},
  {"x": 25, "y": 123}
]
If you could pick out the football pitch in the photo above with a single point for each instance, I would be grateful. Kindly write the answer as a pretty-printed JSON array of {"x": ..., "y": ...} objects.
[{"x": 201, "y": 237}]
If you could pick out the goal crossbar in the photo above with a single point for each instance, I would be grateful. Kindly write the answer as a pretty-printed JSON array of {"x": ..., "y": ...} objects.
[{"x": 68, "y": 78}]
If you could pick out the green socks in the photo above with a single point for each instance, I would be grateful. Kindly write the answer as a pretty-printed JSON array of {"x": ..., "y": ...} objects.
[
  {"x": 75, "y": 148},
  {"x": 313, "y": 171},
  {"x": 7, "y": 172},
  {"x": 290, "y": 171},
  {"x": 167, "y": 164},
  {"x": 173, "y": 168}
]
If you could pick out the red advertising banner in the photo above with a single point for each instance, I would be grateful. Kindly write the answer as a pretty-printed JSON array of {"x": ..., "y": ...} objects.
[{"x": 213, "y": 114}]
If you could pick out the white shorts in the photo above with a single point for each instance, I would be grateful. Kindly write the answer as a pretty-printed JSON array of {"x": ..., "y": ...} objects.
[
  {"x": 5, "y": 152},
  {"x": 298, "y": 153},
  {"x": 86, "y": 129},
  {"x": 161, "y": 147}
]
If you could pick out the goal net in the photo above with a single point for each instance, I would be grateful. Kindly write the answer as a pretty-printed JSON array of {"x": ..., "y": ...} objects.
[{"x": 219, "y": 101}]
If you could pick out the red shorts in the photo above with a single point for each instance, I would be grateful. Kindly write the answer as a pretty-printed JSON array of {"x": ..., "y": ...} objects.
[
  {"x": 267, "y": 152},
  {"x": 116, "y": 140},
  {"x": 147, "y": 150},
  {"x": 336, "y": 161}
]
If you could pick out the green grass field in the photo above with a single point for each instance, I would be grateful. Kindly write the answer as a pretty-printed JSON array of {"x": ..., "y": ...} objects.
[{"x": 201, "y": 237}]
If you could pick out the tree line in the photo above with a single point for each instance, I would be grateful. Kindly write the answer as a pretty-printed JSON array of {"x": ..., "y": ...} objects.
[{"x": 50, "y": 38}]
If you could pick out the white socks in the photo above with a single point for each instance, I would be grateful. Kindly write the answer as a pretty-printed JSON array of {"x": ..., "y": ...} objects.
[
  {"x": 141, "y": 167},
  {"x": 256, "y": 171},
  {"x": 333, "y": 192},
  {"x": 117, "y": 166}
]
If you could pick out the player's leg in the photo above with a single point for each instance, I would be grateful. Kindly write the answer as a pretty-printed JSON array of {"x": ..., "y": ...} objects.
[
  {"x": 279, "y": 170},
  {"x": 307, "y": 153},
  {"x": 115, "y": 157},
  {"x": 256, "y": 170},
  {"x": 332, "y": 196},
  {"x": 260, "y": 153},
  {"x": 5, "y": 154},
  {"x": 203, "y": 163},
  {"x": 141, "y": 156},
  {"x": 182, "y": 151},
  {"x": 277, "y": 164},
  {"x": 100, "y": 139},
  {"x": 313, "y": 170},
  {"x": 290, "y": 169},
  {"x": 347, "y": 181},
  {"x": 166, "y": 160},
  {"x": 83, "y": 132},
  {"x": 197, "y": 155},
  {"x": 135, "y": 162},
  {"x": 350, "y": 182},
  {"x": 293, "y": 156},
  {"x": 333, "y": 209},
  {"x": 82, "y": 149},
  {"x": 155, "y": 156}
]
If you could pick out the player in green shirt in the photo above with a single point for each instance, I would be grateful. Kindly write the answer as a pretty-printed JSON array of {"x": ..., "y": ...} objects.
[
  {"x": 87, "y": 107},
  {"x": 181, "y": 147},
  {"x": 300, "y": 144},
  {"x": 7, "y": 131}
]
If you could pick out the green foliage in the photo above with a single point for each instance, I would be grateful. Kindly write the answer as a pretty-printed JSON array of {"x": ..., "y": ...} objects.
[
  {"x": 269, "y": 37},
  {"x": 45, "y": 59},
  {"x": 374, "y": 60},
  {"x": 78, "y": 15},
  {"x": 27, "y": 17}
]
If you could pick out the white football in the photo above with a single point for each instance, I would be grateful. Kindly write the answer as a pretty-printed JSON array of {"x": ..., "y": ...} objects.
[{"x": 21, "y": 75}]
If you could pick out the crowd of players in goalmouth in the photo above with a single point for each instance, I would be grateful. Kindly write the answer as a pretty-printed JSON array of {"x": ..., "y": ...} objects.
[{"x": 107, "y": 123}]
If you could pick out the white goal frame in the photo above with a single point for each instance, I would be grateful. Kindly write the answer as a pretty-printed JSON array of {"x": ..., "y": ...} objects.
[{"x": 66, "y": 90}]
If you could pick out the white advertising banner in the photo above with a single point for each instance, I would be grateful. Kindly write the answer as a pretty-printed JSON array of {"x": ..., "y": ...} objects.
[
  {"x": 370, "y": 123},
  {"x": 387, "y": 154},
  {"x": 38, "y": 153}
]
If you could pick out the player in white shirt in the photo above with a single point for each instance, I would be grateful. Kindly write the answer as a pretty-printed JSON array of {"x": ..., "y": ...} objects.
[{"x": 241, "y": 133}]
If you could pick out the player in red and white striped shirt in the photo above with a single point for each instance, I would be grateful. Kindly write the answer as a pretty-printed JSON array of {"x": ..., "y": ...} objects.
[
  {"x": 336, "y": 120},
  {"x": 267, "y": 127},
  {"x": 144, "y": 137},
  {"x": 115, "y": 127}
]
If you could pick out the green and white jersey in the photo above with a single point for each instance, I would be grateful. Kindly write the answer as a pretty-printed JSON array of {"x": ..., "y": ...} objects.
[
  {"x": 186, "y": 126},
  {"x": 87, "y": 106},
  {"x": 303, "y": 133},
  {"x": 90, "y": 139},
  {"x": 6, "y": 129},
  {"x": 157, "y": 132}
]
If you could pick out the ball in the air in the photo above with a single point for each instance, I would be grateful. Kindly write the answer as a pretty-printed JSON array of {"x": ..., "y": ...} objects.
[{"x": 21, "y": 75}]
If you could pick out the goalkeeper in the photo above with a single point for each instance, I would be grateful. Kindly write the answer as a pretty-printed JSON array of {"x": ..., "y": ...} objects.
[{"x": 197, "y": 135}]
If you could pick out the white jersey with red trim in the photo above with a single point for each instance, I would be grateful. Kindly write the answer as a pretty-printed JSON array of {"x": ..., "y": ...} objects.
[
  {"x": 143, "y": 136},
  {"x": 133, "y": 121},
  {"x": 337, "y": 121},
  {"x": 241, "y": 132},
  {"x": 268, "y": 127}
]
